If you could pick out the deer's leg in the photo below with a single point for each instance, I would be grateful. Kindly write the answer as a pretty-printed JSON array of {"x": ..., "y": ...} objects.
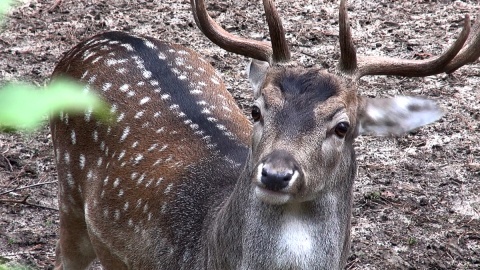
[{"x": 74, "y": 249}]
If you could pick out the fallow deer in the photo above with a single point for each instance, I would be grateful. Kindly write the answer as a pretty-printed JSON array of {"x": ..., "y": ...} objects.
[{"x": 183, "y": 180}]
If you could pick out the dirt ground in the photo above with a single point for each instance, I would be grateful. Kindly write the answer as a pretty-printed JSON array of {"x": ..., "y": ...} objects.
[{"x": 417, "y": 197}]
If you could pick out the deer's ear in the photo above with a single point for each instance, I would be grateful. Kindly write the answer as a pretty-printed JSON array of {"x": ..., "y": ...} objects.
[
  {"x": 256, "y": 71},
  {"x": 396, "y": 116}
]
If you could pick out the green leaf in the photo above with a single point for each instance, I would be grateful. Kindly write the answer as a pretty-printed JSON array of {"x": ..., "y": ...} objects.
[
  {"x": 4, "y": 7},
  {"x": 23, "y": 106}
]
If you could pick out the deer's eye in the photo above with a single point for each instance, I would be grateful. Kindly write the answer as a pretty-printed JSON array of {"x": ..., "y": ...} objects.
[
  {"x": 256, "y": 114},
  {"x": 341, "y": 129}
]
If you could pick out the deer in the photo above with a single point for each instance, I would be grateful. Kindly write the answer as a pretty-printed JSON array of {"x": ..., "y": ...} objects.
[{"x": 182, "y": 179}]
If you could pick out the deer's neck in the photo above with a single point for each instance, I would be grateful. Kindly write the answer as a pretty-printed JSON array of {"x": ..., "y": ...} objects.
[{"x": 245, "y": 232}]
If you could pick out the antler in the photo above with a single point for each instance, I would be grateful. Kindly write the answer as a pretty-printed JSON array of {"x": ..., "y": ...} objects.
[
  {"x": 276, "y": 52},
  {"x": 456, "y": 56}
]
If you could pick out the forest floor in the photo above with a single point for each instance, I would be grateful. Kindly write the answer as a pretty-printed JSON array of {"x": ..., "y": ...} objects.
[{"x": 416, "y": 197}]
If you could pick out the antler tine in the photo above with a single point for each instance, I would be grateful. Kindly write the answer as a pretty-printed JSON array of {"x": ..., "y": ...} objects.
[
  {"x": 348, "y": 54},
  {"x": 281, "y": 53},
  {"x": 251, "y": 48},
  {"x": 195, "y": 16},
  {"x": 370, "y": 65},
  {"x": 358, "y": 66},
  {"x": 470, "y": 52}
]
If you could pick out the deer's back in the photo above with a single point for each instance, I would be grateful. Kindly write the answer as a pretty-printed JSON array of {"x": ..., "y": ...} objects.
[{"x": 176, "y": 143}]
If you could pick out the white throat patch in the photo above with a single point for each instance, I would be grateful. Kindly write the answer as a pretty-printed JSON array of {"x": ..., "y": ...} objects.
[{"x": 296, "y": 243}]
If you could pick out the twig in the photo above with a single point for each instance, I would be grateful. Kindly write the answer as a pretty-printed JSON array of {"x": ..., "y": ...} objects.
[
  {"x": 351, "y": 265},
  {"x": 301, "y": 45},
  {"x": 309, "y": 54},
  {"x": 29, "y": 186},
  {"x": 6, "y": 150},
  {"x": 24, "y": 201},
  {"x": 10, "y": 168},
  {"x": 55, "y": 5}
]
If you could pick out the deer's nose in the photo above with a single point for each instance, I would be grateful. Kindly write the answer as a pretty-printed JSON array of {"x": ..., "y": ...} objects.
[{"x": 278, "y": 170}]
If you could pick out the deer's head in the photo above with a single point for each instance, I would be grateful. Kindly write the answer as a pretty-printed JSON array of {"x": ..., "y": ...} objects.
[{"x": 306, "y": 119}]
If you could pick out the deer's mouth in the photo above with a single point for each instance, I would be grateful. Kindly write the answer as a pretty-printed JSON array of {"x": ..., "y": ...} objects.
[{"x": 272, "y": 197}]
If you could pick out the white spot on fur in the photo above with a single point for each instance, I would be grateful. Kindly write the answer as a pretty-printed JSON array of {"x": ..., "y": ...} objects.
[
  {"x": 113, "y": 108},
  {"x": 66, "y": 158},
  {"x": 196, "y": 92},
  {"x": 144, "y": 100},
  {"x": 135, "y": 144},
  {"x": 120, "y": 117},
  {"x": 106, "y": 86},
  {"x": 152, "y": 147},
  {"x": 82, "y": 161},
  {"x": 125, "y": 133},
  {"x": 148, "y": 183},
  {"x": 212, "y": 119},
  {"x": 105, "y": 181},
  {"x": 90, "y": 175},
  {"x": 88, "y": 114},
  {"x": 116, "y": 215},
  {"x": 165, "y": 146},
  {"x": 116, "y": 183},
  {"x": 159, "y": 181},
  {"x": 176, "y": 71},
  {"x": 168, "y": 189},
  {"x": 139, "y": 114},
  {"x": 70, "y": 180},
  {"x": 124, "y": 88},
  {"x": 141, "y": 178},
  {"x": 121, "y": 155},
  {"x": 147, "y": 74},
  {"x": 92, "y": 79},
  {"x": 73, "y": 137},
  {"x": 138, "y": 158},
  {"x": 95, "y": 136},
  {"x": 149, "y": 44},
  {"x": 139, "y": 203},
  {"x": 157, "y": 162},
  {"x": 87, "y": 54},
  {"x": 127, "y": 46}
]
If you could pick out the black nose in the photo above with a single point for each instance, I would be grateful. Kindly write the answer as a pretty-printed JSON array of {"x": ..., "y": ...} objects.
[{"x": 278, "y": 170}]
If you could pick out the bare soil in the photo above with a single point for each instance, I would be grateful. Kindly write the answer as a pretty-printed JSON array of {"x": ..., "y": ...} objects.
[{"x": 417, "y": 197}]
